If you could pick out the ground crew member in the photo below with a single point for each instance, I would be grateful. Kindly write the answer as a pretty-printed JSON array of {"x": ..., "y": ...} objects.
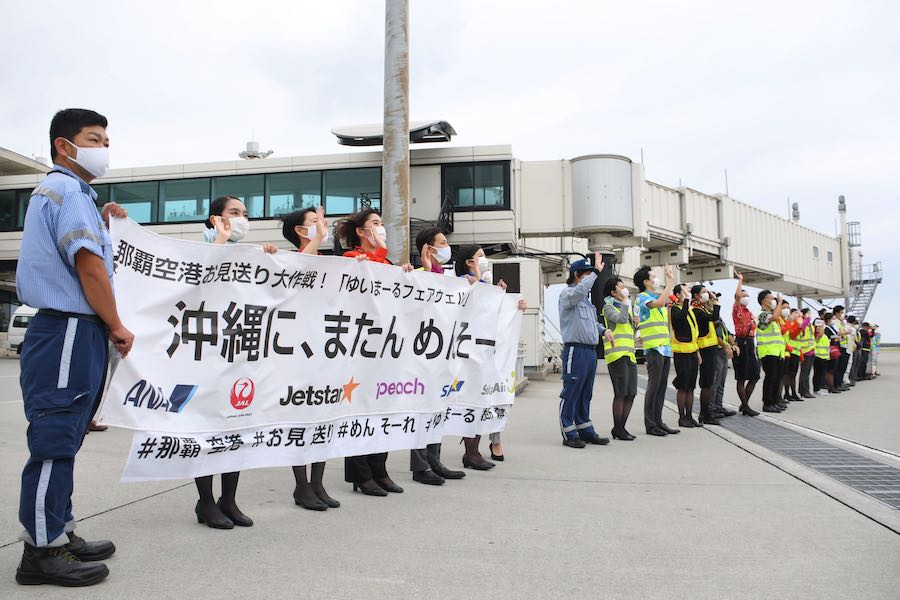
[
  {"x": 706, "y": 312},
  {"x": 654, "y": 331},
  {"x": 686, "y": 357},
  {"x": 619, "y": 353},
  {"x": 581, "y": 333},
  {"x": 807, "y": 343},
  {"x": 65, "y": 270},
  {"x": 770, "y": 350}
]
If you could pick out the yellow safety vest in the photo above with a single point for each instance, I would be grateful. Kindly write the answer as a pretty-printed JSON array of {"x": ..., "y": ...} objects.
[
  {"x": 794, "y": 344},
  {"x": 807, "y": 339},
  {"x": 769, "y": 341},
  {"x": 654, "y": 329},
  {"x": 687, "y": 347},
  {"x": 709, "y": 339},
  {"x": 823, "y": 347},
  {"x": 623, "y": 336}
]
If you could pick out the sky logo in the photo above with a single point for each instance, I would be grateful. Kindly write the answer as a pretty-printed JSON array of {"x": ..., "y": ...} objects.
[{"x": 452, "y": 388}]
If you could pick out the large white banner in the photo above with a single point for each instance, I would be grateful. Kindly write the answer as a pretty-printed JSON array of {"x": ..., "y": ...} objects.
[{"x": 244, "y": 359}]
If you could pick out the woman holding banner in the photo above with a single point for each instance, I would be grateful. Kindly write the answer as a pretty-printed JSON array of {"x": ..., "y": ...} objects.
[
  {"x": 364, "y": 232},
  {"x": 227, "y": 223},
  {"x": 307, "y": 229},
  {"x": 472, "y": 263}
]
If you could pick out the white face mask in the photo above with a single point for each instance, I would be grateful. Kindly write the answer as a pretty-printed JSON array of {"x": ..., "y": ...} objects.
[
  {"x": 93, "y": 160},
  {"x": 239, "y": 228},
  {"x": 312, "y": 231},
  {"x": 483, "y": 264},
  {"x": 654, "y": 284},
  {"x": 381, "y": 232},
  {"x": 625, "y": 293},
  {"x": 444, "y": 254},
  {"x": 704, "y": 297},
  {"x": 785, "y": 313},
  {"x": 773, "y": 303},
  {"x": 745, "y": 300}
]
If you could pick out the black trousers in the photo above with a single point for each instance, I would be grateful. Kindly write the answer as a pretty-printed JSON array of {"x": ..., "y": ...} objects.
[
  {"x": 657, "y": 380},
  {"x": 841, "y": 368},
  {"x": 773, "y": 367},
  {"x": 806, "y": 367},
  {"x": 359, "y": 469},
  {"x": 863, "y": 364},
  {"x": 820, "y": 368}
]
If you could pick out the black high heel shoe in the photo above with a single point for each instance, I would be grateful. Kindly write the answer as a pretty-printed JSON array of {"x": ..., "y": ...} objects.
[
  {"x": 322, "y": 495},
  {"x": 215, "y": 521},
  {"x": 369, "y": 488},
  {"x": 497, "y": 457},
  {"x": 315, "y": 504},
  {"x": 685, "y": 422},
  {"x": 482, "y": 466},
  {"x": 622, "y": 435},
  {"x": 389, "y": 486},
  {"x": 236, "y": 516}
]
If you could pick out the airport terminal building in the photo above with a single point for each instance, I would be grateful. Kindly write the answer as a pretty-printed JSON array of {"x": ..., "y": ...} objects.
[{"x": 531, "y": 217}]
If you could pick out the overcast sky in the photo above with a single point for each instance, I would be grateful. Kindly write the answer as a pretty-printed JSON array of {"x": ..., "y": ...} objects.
[{"x": 796, "y": 100}]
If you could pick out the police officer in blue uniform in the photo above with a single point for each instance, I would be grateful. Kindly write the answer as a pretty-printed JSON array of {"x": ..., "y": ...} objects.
[
  {"x": 65, "y": 271},
  {"x": 581, "y": 333}
]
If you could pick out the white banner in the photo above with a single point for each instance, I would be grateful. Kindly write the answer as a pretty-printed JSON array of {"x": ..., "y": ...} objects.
[{"x": 244, "y": 359}]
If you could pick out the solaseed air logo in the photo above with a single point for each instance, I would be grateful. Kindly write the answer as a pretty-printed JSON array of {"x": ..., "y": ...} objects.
[
  {"x": 313, "y": 396},
  {"x": 500, "y": 387},
  {"x": 242, "y": 393}
]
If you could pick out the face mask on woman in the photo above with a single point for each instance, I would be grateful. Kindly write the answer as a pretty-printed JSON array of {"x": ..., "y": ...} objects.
[
  {"x": 625, "y": 293},
  {"x": 785, "y": 313},
  {"x": 745, "y": 301},
  {"x": 704, "y": 297},
  {"x": 483, "y": 264},
  {"x": 239, "y": 228}
]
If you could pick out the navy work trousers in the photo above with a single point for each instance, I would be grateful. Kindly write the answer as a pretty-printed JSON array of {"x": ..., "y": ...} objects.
[
  {"x": 579, "y": 369},
  {"x": 63, "y": 369}
]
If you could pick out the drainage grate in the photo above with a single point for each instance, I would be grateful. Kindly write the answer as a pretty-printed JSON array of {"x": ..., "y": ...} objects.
[{"x": 876, "y": 480}]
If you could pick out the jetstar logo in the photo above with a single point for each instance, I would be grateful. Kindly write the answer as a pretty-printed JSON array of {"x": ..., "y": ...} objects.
[
  {"x": 313, "y": 396},
  {"x": 145, "y": 395},
  {"x": 242, "y": 393},
  {"x": 452, "y": 388}
]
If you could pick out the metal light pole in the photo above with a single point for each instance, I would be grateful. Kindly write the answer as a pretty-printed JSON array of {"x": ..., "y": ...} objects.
[{"x": 395, "y": 157}]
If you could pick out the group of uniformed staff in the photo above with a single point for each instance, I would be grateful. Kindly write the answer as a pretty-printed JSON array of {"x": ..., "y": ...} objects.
[{"x": 682, "y": 325}]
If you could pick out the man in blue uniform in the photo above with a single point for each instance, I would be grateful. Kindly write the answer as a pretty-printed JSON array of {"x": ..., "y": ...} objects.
[
  {"x": 581, "y": 333},
  {"x": 65, "y": 271}
]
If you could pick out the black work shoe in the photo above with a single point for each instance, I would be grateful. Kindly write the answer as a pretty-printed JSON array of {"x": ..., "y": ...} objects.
[
  {"x": 727, "y": 412},
  {"x": 446, "y": 473},
  {"x": 595, "y": 439},
  {"x": 87, "y": 551},
  {"x": 771, "y": 408},
  {"x": 668, "y": 429},
  {"x": 574, "y": 443},
  {"x": 428, "y": 477},
  {"x": 57, "y": 566},
  {"x": 657, "y": 432}
]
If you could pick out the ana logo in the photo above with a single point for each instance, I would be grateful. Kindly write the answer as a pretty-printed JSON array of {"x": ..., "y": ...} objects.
[
  {"x": 145, "y": 395},
  {"x": 312, "y": 396},
  {"x": 242, "y": 393},
  {"x": 400, "y": 388},
  {"x": 452, "y": 388}
]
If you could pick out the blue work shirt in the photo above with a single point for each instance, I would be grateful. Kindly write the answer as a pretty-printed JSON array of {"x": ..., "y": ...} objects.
[
  {"x": 644, "y": 313},
  {"x": 577, "y": 315},
  {"x": 62, "y": 219}
]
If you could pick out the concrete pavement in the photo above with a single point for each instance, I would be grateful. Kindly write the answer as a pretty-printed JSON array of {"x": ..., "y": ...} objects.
[{"x": 686, "y": 516}]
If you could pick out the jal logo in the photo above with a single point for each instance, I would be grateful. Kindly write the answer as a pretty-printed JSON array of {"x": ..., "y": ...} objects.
[
  {"x": 400, "y": 388},
  {"x": 242, "y": 393},
  {"x": 452, "y": 388},
  {"x": 143, "y": 394}
]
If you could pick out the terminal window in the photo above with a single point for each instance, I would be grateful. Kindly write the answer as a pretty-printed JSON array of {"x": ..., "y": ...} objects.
[
  {"x": 249, "y": 189},
  {"x": 477, "y": 186}
]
